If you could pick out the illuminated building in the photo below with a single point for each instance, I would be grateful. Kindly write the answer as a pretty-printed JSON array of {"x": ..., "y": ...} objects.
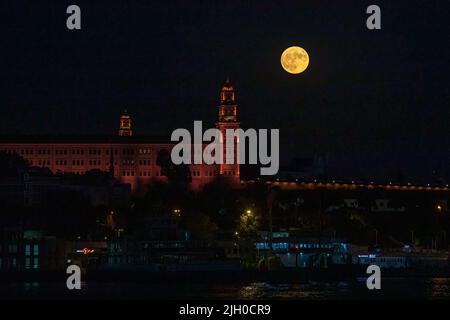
[
  {"x": 129, "y": 158},
  {"x": 228, "y": 120},
  {"x": 125, "y": 125}
]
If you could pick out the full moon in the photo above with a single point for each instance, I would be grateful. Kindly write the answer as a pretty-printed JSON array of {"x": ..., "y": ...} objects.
[{"x": 295, "y": 60}]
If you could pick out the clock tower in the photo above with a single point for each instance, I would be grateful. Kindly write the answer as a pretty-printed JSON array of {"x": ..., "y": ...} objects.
[
  {"x": 228, "y": 120},
  {"x": 125, "y": 125}
]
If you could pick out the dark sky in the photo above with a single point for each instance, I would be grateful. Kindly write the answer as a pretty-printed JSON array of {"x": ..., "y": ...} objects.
[{"x": 375, "y": 101}]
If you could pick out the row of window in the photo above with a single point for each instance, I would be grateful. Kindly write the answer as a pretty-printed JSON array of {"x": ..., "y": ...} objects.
[
  {"x": 32, "y": 250},
  {"x": 127, "y": 151},
  {"x": 81, "y": 162},
  {"x": 12, "y": 263},
  {"x": 8, "y": 263},
  {"x": 285, "y": 245},
  {"x": 141, "y": 162},
  {"x": 29, "y": 249},
  {"x": 141, "y": 173},
  {"x": 31, "y": 151},
  {"x": 41, "y": 162},
  {"x": 11, "y": 248},
  {"x": 197, "y": 173},
  {"x": 145, "y": 162},
  {"x": 95, "y": 162},
  {"x": 28, "y": 262}
]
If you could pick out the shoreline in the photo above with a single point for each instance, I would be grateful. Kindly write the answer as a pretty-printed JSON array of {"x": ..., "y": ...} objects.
[{"x": 244, "y": 276}]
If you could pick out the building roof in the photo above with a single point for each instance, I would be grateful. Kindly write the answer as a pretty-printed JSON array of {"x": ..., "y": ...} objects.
[{"x": 54, "y": 139}]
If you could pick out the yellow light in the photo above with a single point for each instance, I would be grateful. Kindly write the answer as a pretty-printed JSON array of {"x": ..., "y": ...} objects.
[
  {"x": 294, "y": 60},
  {"x": 249, "y": 211}
]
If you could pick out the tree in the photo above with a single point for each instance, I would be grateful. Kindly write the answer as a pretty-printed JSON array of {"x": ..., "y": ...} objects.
[
  {"x": 10, "y": 164},
  {"x": 201, "y": 226},
  {"x": 248, "y": 224},
  {"x": 178, "y": 176}
]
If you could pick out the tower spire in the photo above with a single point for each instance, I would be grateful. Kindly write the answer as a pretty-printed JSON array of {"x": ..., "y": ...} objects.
[
  {"x": 228, "y": 120},
  {"x": 125, "y": 128},
  {"x": 227, "y": 94}
]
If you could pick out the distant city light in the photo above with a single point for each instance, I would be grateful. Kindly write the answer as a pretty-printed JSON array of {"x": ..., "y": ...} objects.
[{"x": 84, "y": 251}]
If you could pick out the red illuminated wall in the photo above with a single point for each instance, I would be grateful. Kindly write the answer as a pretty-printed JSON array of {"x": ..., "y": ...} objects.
[
  {"x": 133, "y": 163},
  {"x": 133, "y": 159}
]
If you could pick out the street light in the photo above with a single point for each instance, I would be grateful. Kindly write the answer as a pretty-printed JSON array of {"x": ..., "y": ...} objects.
[{"x": 177, "y": 212}]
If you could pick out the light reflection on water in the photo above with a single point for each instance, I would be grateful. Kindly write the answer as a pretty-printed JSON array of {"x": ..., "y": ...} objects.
[
  {"x": 438, "y": 288},
  {"x": 392, "y": 288}
]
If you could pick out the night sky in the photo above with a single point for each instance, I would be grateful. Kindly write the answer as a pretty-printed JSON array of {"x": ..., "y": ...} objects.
[{"x": 377, "y": 102}]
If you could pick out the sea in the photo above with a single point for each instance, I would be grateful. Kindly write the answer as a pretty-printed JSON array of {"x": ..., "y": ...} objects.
[{"x": 391, "y": 289}]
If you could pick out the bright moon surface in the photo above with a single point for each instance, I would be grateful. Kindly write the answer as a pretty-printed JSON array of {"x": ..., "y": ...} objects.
[{"x": 294, "y": 60}]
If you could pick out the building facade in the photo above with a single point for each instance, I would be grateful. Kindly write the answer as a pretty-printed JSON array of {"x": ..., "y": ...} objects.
[{"x": 129, "y": 158}]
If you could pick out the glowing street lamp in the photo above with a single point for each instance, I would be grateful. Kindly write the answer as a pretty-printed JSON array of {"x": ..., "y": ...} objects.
[{"x": 177, "y": 212}]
